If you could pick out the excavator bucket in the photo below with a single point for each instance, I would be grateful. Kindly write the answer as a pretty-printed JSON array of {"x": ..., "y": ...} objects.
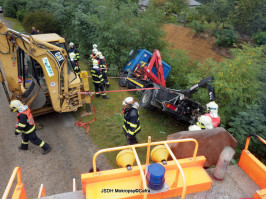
[{"x": 34, "y": 96}]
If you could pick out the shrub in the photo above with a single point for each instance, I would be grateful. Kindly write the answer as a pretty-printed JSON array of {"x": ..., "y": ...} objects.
[
  {"x": 42, "y": 20},
  {"x": 21, "y": 14},
  {"x": 251, "y": 121},
  {"x": 226, "y": 37},
  {"x": 198, "y": 27},
  {"x": 260, "y": 37}
]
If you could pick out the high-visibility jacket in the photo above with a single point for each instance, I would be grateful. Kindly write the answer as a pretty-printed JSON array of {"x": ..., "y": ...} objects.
[
  {"x": 102, "y": 64},
  {"x": 215, "y": 121},
  {"x": 70, "y": 50},
  {"x": 96, "y": 74},
  {"x": 25, "y": 122},
  {"x": 131, "y": 121}
]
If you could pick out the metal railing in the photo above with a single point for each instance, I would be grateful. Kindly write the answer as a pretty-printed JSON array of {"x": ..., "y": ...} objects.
[
  {"x": 133, "y": 147},
  {"x": 248, "y": 140},
  {"x": 16, "y": 172}
]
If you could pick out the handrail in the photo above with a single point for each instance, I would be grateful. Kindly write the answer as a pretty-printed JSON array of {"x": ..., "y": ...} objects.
[
  {"x": 149, "y": 144},
  {"x": 248, "y": 139},
  {"x": 41, "y": 192},
  {"x": 142, "y": 145},
  {"x": 141, "y": 173},
  {"x": 181, "y": 171},
  {"x": 74, "y": 185},
  {"x": 16, "y": 171}
]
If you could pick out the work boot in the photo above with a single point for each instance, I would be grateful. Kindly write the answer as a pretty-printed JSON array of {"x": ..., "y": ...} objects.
[
  {"x": 20, "y": 148},
  {"x": 98, "y": 95},
  {"x": 47, "y": 150},
  {"x": 106, "y": 97}
]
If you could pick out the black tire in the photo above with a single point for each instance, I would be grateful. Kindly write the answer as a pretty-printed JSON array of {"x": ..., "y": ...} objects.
[
  {"x": 145, "y": 101},
  {"x": 122, "y": 81}
]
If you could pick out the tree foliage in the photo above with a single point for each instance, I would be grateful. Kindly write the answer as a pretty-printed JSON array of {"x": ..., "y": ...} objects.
[
  {"x": 237, "y": 81},
  {"x": 249, "y": 16},
  {"x": 42, "y": 20}
]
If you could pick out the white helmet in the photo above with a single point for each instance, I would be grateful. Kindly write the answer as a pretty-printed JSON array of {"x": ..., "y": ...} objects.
[
  {"x": 99, "y": 54},
  {"x": 71, "y": 44},
  {"x": 95, "y": 62},
  {"x": 212, "y": 108},
  {"x": 194, "y": 128},
  {"x": 128, "y": 101},
  {"x": 15, "y": 105},
  {"x": 94, "y": 51},
  {"x": 94, "y": 46},
  {"x": 205, "y": 122},
  {"x": 135, "y": 105}
]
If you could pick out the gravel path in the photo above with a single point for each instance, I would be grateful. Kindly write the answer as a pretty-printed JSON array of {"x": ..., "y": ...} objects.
[
  {"x": 9, "y": 24},
  {"x": 71, "y": 154}
]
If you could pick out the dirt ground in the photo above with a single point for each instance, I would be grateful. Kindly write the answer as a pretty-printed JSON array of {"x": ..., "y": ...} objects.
[
  {"x": 198, "y": 48},
  {"x": 71, "y": 153}
]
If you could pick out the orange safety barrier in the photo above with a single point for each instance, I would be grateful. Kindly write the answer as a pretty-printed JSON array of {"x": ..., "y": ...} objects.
[
  {"x": 19, "y": 192},
  {"x": 183, "y": 176},
  {"x": 254, "y": 168}
]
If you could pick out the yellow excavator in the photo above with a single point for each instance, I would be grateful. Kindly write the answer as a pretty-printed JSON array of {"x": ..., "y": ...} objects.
[{"x": 38, "y": 72}]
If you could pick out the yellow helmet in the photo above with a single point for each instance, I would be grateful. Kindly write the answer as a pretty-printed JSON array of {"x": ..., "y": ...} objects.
[{"x": 15, "y": 105}]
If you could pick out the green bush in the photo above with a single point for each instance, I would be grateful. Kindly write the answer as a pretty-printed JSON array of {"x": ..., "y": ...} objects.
[
  {"x": 42, "y": 20},
  {"x": 198, "y": 27},
  {"x": 260, "y": 37},
  {"x": 252, "y": 121},
  {"x": 226, "y": 37},
  {"x": 21, "y": 14}
]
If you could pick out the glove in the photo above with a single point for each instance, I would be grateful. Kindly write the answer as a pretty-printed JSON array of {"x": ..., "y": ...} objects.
[{"x": 16, "y": 133}]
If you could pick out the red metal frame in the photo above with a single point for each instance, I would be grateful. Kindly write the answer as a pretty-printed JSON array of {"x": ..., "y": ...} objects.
[{"x": 157, "y": 60}]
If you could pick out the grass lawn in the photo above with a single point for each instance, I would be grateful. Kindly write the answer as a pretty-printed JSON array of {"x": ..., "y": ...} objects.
[{"x": 107, "y": 132}]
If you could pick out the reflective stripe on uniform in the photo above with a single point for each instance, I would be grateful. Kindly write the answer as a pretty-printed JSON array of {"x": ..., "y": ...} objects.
[
  {"x": 41, "y": 145},
  {"x": 24, "y": 142},
  {"x": 131, "y": 124},
  {"x": 29, "y": 131},
  {"x": 97, "y": 81},
  {"x": 22, "y": 125},
  {"x": 18, "y": 131},
  {"x": 129, "y": 131},
  {"x": 97, "y": 75}
]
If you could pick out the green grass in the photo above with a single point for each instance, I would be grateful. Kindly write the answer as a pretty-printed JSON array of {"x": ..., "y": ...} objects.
[
  {"x": 16, "y": 25},
  {"x": 107, "y": 132}
]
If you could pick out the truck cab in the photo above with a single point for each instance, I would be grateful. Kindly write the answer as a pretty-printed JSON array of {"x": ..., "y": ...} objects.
[{"x": 143, "y": 57}]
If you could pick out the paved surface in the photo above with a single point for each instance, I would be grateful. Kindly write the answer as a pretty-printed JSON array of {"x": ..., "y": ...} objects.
[
  {"x": 9, "y": 24},
  {"x": 236, "y": 185},
  {"x": 71, "y": 154}
]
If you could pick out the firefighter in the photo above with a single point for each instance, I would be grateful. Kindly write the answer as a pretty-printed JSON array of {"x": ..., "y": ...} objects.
[
  {"x": 212, "y": 109},
  {"x": 26, "y": 126},
  {"x": 74, "y": 58},
  {"x": 103, "y": 68},
  {"x": 131, "y": 120},
  {"x": 93, "y": 55},
  {"x": 98, "y": 79},
  {"x": 204, "y": 122}
]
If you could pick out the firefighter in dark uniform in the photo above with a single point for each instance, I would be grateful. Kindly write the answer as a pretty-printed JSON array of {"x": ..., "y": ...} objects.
[
  {"x": 131, "y": 120},
  {"x": 93, "y": 55},
  {"x": 26, "y": 126},
  {"x": 103, "y": 68},
  {"x": 97, "y": 79},
  {"x": 74, "y": 58}
]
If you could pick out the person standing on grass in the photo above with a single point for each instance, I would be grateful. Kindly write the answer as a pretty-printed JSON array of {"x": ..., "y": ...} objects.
[{"x": 131, "y": 120}]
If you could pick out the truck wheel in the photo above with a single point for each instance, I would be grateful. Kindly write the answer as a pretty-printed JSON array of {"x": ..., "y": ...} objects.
[
  {"x": 122, "y": 81},
  {"x": 131, "y": 85},
  {"x": 145, "y": 101}
]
